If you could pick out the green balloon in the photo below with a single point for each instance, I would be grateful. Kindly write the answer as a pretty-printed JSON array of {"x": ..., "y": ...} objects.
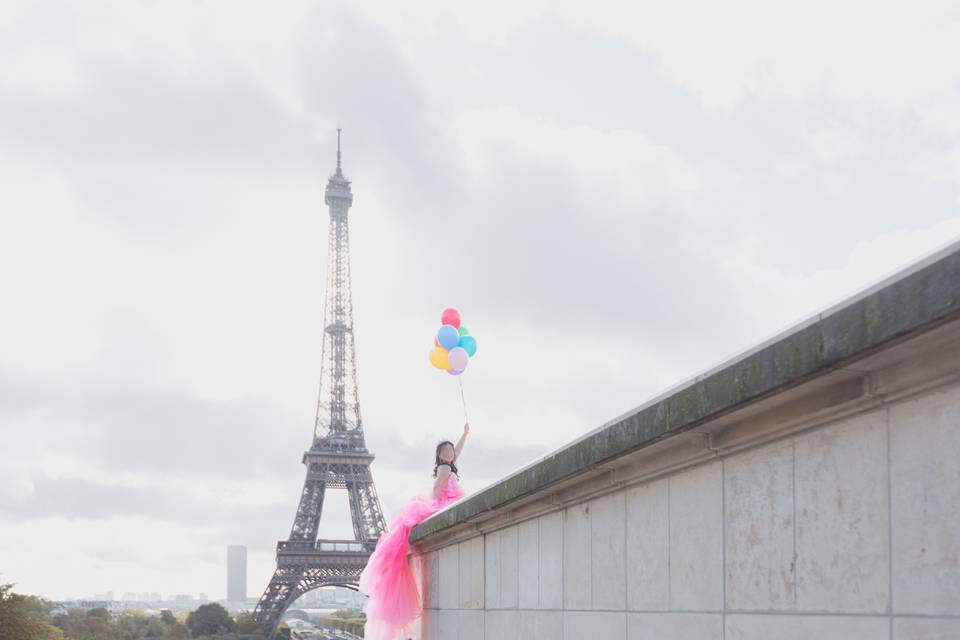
[{"x": 464, "y": 332}]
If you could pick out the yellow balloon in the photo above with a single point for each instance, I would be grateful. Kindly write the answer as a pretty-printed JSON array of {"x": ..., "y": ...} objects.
[{"x": 439, "y": 359}]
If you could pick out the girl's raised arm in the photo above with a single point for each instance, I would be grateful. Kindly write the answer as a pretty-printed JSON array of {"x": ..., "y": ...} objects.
[{"x": 461, "y": 441}]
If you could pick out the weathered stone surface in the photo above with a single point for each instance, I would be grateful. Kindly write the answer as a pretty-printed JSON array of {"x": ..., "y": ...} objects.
[
  {"x": 759, "y": 536},
  {"x": 450, "y": 577},
  {"x": 431, "y": 588},
  {"x": 843, "y": 543},
  {"x": 509, "y": 568},
  {"x": 925, "y": 483},
  {"x": 576, "y": 557},
  {"x": 674, "y": 626},
  {"x": 587, "y": 625},
  {"x": 528, "y": 541},
  {"x": 471, "y": 573},
  {"x": 786, "y": 627},
  {"x": 925, "y": 629},
  {"x": 471, "y": 624},
  {"x": 491, "y": 569},
  {"x": 551, "y": 561},
  {"x": 608, "y": 552},
  {"x": 541, "y": 625},
  {"x": 448, "y": 623},
  {"x": 696, "y": 539},
  {"x": 648, "y": 547},
  {"x": 502, "y": 625}
]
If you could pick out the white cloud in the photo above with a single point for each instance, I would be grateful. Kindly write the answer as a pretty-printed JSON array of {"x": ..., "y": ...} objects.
[
  {"x": 889, "y": 54},
  {"x": 624, "y": 163},
  {"x": 42, "y": 70},
  {"x": 792, "y": 296},
  {"x": 835, "y": 143},
  {"x": 939, "y": 165},
  {"x": 47, "y": 270}
]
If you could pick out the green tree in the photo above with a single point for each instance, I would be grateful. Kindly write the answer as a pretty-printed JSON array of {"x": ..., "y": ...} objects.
[
  {"x": 39, "y": 609},
  {"x": 78, "y": 624},
  {"x": 209, "y": 619},
  {"x": 17, "y": 620},
  {"x": 137, "y": 625},
  {"x": 167, "y": 617},
  {"x": 246, "y": 623},
  {"x": 346, "y": 613},
  {"x": 176, "y": 631}
]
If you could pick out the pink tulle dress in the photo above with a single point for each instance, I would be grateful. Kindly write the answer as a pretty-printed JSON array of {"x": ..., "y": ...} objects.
[{"x": 395, "y": 601}]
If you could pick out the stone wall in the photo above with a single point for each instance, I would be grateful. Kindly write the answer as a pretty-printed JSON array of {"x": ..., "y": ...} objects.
[{"x": 826, "y": 509}]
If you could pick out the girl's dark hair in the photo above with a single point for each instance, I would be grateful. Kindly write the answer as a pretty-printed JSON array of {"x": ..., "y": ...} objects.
[{"x": 438, "y": 462}]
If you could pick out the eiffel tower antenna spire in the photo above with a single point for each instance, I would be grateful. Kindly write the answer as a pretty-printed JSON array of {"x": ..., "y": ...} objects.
[
  {"x": 338, "y": 457},
  {"x": 338, "y": 150}
]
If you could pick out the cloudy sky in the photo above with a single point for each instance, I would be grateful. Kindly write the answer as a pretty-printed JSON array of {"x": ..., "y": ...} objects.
[{"x": 616, "y": 197}]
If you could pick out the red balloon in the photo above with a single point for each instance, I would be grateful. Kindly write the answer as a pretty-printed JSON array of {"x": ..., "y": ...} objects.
[{"x": 450, "y": 316}]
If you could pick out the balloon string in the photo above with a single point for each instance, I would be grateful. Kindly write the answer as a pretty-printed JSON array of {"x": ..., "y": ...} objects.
[{"x": 462, "y": 399}]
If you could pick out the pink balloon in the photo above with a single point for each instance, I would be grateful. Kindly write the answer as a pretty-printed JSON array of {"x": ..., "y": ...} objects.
[
  {"x": 450, "y": 316},
  {"x": 458, "y": 358},
  {"x": 454, "y": 372}
]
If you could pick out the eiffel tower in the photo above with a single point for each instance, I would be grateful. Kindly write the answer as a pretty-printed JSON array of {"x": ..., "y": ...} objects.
[{"x": 338, "y": 457}]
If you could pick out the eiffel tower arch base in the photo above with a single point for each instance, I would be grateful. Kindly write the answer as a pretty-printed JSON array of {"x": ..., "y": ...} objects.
[{"x": 330, "y": 563}]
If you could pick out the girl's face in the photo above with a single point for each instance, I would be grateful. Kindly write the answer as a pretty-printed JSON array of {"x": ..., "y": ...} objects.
[{"x": 446, "y": 453}]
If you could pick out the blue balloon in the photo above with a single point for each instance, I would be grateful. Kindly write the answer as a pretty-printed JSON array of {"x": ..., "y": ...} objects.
[
  {"x": 448, "y": 336},
  {"x": 468, "y": 344}
]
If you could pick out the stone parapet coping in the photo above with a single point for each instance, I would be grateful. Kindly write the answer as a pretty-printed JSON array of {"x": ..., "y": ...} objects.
[{"x": 908, "y": 303}]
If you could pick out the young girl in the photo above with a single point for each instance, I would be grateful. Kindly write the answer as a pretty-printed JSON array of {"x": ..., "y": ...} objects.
[{"x": 395, "y": 598}]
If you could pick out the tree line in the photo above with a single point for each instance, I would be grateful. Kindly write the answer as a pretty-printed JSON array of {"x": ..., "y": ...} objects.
[{"x": 25, "y": 617}]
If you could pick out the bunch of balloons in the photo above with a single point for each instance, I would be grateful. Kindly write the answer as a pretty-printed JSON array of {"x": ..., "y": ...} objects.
[{"x": 453, "y": 345}]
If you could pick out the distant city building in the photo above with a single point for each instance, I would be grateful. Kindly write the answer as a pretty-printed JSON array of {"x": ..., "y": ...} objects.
[
  {"x": 110, "y": 605},
  {"x": 236, "y": 573},
  {"x": 331, "y": 597}
]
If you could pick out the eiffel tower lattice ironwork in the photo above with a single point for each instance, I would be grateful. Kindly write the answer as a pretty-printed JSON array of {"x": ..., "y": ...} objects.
[{"x": 338, "y": 457}]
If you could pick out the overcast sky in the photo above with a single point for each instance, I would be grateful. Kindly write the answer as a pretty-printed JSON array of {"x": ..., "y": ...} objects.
[{"x": 615, "y": 197}]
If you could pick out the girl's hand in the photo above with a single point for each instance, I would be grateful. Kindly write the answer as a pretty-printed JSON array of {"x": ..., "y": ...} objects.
[{"x": 466, "y": 428}]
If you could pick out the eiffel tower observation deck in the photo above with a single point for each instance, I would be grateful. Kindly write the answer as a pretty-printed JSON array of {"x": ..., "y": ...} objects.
[{"x": 338, "y": 457}]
